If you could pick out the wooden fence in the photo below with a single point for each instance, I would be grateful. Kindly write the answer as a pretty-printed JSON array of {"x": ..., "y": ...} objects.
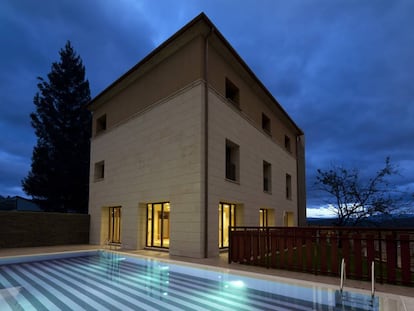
[{"x": 320, "y": 251}]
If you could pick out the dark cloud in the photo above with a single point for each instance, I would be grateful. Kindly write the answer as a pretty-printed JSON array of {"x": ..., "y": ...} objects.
[
  {"x": 110, "y": 39},
  {"x": 342, "y": 69}
]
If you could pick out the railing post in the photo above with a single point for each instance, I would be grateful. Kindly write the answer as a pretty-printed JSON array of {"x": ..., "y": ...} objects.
[
  {"x": 343, "y": 274},
  {"x": 268, "y": 258},
  {"x": 229, "y": 253},
  {"x": 372, "y": 278},
  {"x": 380, "y": 256}
]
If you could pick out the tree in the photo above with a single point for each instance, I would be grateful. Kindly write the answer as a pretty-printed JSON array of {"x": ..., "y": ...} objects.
[
  {"x": 355, "y": 200},
  {"x": 59, "y": 173}
]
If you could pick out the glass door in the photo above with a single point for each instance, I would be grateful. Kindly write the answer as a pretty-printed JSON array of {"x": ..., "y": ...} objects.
[
  {"x": 263, "y": 217},
  {"x": 227, "y": 217},
  {"x": 114, "y": 225},
  {"x": 158, "y": 225}
]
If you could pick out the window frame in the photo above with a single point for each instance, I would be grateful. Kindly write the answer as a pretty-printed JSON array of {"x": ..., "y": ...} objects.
[
  {"x": 99, "y": 171},
  {"x": 288, "y": 145},
  {"x": 267, "y": 177},
  {"x": 165, "y": 215},
  {"x": 263, "y": 221},
  {"x": 232, "y": 161},
  {"x": 232, "y": 222},
  {"x": 101, "y": 124},
  {"x": 288, "y": 187},
  {"x": 232, "y": 93},
  {"x": 266, "y": 124}
]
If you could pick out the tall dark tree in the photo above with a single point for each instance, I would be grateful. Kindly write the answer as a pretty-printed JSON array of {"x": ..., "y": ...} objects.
[{"x": 59, "y": 173}]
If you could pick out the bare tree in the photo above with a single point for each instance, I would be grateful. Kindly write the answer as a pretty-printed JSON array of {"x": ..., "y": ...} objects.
[{"x": 354, "y": 199}]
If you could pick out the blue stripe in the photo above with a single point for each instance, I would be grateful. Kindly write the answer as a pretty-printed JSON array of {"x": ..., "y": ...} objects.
[{"x": 35, "y": 303}]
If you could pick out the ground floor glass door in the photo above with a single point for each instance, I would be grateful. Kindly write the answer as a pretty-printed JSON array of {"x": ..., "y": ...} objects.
[
  {"x": 227, "y": 217},
  {"x": 263, "y": 218},
  {"x": 158, "y": 225},
  {"x": 114, "y": 225}
]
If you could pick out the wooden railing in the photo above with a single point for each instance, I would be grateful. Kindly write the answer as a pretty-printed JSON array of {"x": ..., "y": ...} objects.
[{"x": 320, "y": 251}]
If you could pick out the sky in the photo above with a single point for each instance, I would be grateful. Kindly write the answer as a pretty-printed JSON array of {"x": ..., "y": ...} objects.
[{"x": 342, "y": 69}]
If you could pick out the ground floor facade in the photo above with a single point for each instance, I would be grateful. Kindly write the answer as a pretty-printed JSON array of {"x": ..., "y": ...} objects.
[{"x": 157, "y": 229}]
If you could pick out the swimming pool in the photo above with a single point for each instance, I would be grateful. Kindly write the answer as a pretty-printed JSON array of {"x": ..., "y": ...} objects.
[{"x": 97, "y": 280}]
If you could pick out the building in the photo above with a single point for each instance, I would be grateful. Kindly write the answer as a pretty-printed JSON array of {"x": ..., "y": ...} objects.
[
  {"x": 18, "y": 203},
  {"x": 188, "y": 142}
]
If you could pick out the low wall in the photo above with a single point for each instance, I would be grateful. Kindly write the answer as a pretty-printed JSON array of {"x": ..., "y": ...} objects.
[{"x": 28, "y": 229}]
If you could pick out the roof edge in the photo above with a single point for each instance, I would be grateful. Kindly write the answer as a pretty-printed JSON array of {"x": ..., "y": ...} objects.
[{"x": 201, "y": 17}]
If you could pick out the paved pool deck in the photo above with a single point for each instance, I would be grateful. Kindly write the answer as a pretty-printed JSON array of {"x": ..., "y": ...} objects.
[{"x": 221, "y": 262}]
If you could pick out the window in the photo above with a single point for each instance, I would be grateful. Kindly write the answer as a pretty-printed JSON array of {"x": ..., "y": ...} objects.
[
  {"x": 232, "y": 161},
  {"x": 101, "y": 124},
  {"x": 267, "y": 177},
  {"x": 232, "y": 93},
  {"x": 288, "y": 187},
  {"x": 263, "y": 218},
  {"x": 158, "y": 225},
  {"x": 114, "y": 225},
  {"x": 287, "y": 143},
  {"x": 99, "y": 170},
  {"x": 266, "y": 123},
  {"x": 289, "y": 219},
  {"x": 227, "y": 217}
]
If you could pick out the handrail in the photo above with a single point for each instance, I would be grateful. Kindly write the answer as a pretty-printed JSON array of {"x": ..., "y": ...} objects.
[
  {"x": 372, "y": 278},
  {"x": 343, "y": 274}
]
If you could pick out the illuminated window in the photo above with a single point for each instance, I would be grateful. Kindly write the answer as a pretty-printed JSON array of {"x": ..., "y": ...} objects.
[
  {"x": 101, "y": 124},
  {"x": 158, "y": 225},
  {"x": 289, "y": 219},
  {"x": 99, "y": 173},
  {"x": 114, "y": 225},
  {"x": 263, "y": 218},
  {"x": 232, "y": 161},
  {"x": 288, "y": 187},
  {"x": 266, "y": 123},
  {"x": 227, "y": 217},
  {"x": 267, "y": 177},
  {"x": 232, "y": 93}
]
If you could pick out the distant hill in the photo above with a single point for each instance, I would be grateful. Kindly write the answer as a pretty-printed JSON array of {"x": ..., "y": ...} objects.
[{"x": 397, "y": 221}]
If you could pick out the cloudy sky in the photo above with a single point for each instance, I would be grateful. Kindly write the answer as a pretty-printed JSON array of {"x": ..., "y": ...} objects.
[{"x": 343, "y": 69}]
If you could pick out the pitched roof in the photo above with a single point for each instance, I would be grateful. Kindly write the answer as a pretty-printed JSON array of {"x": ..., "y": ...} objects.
[{"x": 201, "y": 18}]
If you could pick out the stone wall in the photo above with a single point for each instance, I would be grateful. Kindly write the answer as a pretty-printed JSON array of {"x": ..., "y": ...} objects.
[{"x": 28, "y": 229}]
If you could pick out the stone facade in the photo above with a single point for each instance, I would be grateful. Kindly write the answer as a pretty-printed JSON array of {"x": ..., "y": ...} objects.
[{"x": 163, "y": 133}]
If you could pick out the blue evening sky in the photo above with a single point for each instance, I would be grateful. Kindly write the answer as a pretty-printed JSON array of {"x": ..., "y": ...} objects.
[{"x": 342, "y": 69}]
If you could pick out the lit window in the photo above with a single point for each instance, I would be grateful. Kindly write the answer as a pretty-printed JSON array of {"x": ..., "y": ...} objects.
[
  {"x": 263, "y": 218},
  {"x": 289, "y": 220},
  {"x": 101, "y": 124},
  {"x": 99, "y": 170},
  {"x": 232, "y": 93},
  {"x": 266, "y": 123},
  {"x": 227, "y": 218},
  {"x": 288, "y": 187},
  {"x": 158, "y": 225},
  {"x": 267, "y": 177},
  {"x": 232, "y": 161},
  {"x": 287, "y": 143}
]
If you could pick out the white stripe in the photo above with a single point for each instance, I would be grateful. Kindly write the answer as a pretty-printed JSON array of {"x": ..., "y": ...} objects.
[
  {"x": 49, "y": 305},
  {"x": 20, "y": 299},
  {"x": 75, "y": 290},
  {"x": 113, "y": 290},
  {"x": 186, "y": 298},
  {"x": 142, "y": 285}
]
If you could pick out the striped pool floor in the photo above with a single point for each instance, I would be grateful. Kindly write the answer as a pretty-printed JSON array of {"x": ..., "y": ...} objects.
[{"x": 102, "y": 282}]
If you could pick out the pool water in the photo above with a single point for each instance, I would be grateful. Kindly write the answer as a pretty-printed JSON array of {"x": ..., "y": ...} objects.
[{"x": 111, "y": 281}]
